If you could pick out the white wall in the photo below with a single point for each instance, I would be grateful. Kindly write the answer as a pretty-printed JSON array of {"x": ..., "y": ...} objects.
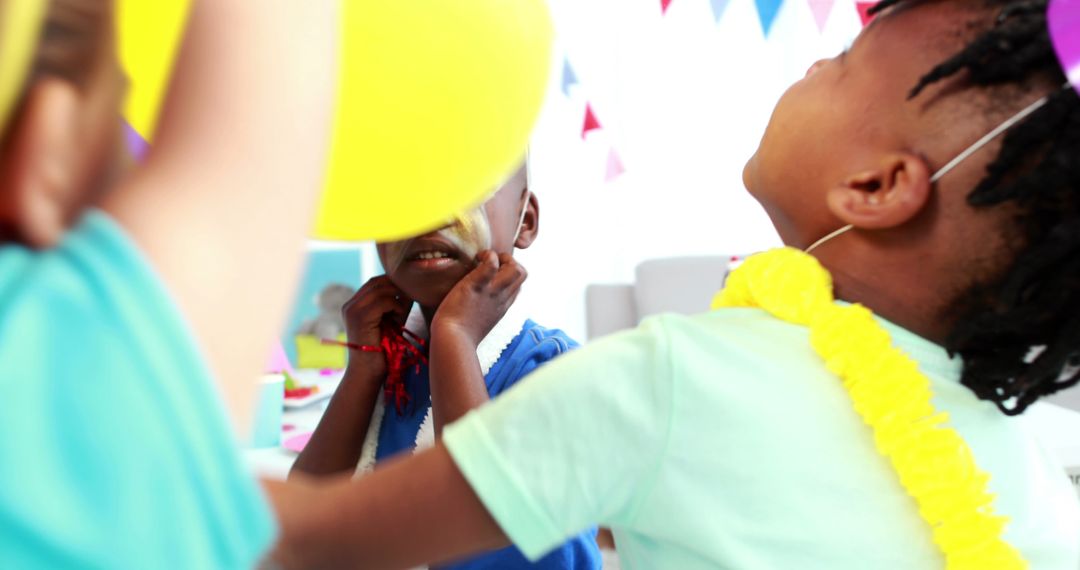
[{"x": 683, "y": 99}]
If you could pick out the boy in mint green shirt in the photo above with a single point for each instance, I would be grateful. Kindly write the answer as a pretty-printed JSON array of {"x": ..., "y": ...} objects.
[
  {"x": 723, "y": 440},
  {"x": 796, "y": 483},
  {"x": 118, "y": 284}
]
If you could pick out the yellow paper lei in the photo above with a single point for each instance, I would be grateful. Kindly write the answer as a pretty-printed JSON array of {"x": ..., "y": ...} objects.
[{"x": 934, "y": 464}]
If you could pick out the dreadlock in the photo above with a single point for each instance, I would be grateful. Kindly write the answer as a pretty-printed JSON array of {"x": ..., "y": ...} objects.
[{"x": 1019, "y": 333}]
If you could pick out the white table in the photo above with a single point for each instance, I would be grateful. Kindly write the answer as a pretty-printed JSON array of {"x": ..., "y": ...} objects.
[{"x": 275, "y": 462}]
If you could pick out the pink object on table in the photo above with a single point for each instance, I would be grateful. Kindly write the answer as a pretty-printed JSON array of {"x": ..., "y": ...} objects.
[
  {"x": 298, "y": 442},
  {"x": 279, "y": 361}
]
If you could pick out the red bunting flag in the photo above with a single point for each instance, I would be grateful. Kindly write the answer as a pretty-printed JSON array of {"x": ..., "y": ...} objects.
[
  {"x": 864, "y": 9},
  {"x": 591, "y": 124},
  {"x": 664, "y": 6}
]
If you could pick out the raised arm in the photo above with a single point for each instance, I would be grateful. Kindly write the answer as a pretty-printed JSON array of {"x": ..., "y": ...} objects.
[
  {"x": 374, "y": 525},
  {"x": 582, "y": 442},
  {"x": 225, "y": 200},
  {"x": 338, "y": 440},
  {"x": 465, "y": 317}
]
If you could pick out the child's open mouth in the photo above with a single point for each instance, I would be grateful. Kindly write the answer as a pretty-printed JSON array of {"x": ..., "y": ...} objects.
[
  {"x": 431, "y": 254},
  {"x": 431, "y": 259}
]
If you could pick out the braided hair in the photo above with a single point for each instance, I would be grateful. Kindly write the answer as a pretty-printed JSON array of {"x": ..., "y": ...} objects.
[{"x": 1019, "y": 333}]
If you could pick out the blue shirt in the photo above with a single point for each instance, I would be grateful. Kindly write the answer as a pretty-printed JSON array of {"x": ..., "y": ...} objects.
[
  {"x": 530, "y": 349},
  {"x": 116, "y": 451}
]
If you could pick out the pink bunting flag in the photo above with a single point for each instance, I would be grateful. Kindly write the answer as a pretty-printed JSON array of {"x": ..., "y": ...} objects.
[
  {"x": 664, "y": 6},
  {"x": 821, "y": 10},
  {"x": 864, "y": 9},
  {"x": 591, "y": 124},
  {"x": 615, "y": 166}
]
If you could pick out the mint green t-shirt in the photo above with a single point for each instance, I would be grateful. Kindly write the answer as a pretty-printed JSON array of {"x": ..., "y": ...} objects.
[
  {"x": 115, "y": 451},
  {"x": 721, "y": 441}
]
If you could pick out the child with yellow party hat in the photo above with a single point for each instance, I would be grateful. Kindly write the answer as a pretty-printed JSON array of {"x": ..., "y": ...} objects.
[
  {"x": 118, "y": 284},
  {"x": 848, "y": 409}
]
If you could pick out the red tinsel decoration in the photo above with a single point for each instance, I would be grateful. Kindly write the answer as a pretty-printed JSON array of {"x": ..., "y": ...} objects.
[{"x": 401, "y": 353}]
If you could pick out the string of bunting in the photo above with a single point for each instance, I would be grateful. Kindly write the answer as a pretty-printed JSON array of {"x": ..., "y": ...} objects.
[
  {"x": 590, "y": 123},
  {"x": 769, "y": 9}
]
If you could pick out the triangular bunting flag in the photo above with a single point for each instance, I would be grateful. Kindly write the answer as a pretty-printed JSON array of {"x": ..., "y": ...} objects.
[
  {"x": 767, "y": 10},
  {"x": 569, "y": 78},
  {"x": 664, "y": 6},
  {"x": 615, "y": 166},
  {"x": 864, "y": 8},
  {"x": 821, "y": 10},
  {"x": 718, "y": 7},
  {"x": 591, "y": 124}
]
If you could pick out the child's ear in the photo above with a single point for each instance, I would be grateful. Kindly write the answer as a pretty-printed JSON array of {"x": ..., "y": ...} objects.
[
  {"x": 886, "y": 197},
  {"x": 530, "y": 224},
  {"x": 39, "y": 166}
]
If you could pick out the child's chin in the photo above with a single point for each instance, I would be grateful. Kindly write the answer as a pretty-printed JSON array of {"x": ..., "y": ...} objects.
[{"x": 428, "y": 296}]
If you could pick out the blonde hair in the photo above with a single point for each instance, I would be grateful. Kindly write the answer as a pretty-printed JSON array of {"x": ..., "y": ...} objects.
[
  {"x": 55, "y": 38},
  {"x": 21, "y": 22}
]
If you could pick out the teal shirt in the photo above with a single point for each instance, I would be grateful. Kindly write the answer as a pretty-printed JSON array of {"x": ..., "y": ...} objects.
[
  {"x": 721, "y": 441},
  {"x": 115, "y": 451}
]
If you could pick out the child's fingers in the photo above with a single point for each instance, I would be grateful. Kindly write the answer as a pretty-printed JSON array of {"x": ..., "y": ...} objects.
[
  {"x": 486, "y": 269},
  {"x": 388, "y": 306},
  {"x": 392, "y": 290},
  {"x": 398, "y": 311},
  {"x": 369, "y": 285},
  {"x": 511, "y": 273},
  {"x": 384, "y": 285},
  {"x": 404, "y": 305},
  {"x": 375, "y": 285},
  {"x": 363, "y": 292},
  {"x": 379, "y": 296},
  {"x": 379, "y": 281},
  {"x": 514, "y": 291},
  {"x": 487, "y": 258}
]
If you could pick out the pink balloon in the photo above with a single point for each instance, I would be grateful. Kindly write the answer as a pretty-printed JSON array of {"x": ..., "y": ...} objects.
[
  {"x": 136, "y": 145},
  {"x": 1063, "y": 20}
]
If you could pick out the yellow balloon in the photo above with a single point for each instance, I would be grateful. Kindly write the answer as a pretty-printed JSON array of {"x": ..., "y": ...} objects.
[
  {"x": 436, "y": 99},
  {"x": 149, "y": 35},
  {"x": 436, "y": 102}
]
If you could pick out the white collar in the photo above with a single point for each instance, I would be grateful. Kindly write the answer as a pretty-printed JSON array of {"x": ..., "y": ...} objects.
[
  {"x": 491, "y": 347},
  {"x": 488, "y": 352}
]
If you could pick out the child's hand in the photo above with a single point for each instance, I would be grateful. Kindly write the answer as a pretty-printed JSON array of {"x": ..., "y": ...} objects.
[
  {"x": 481, "y": 298},
  {"x": 364, "y": 313}
]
